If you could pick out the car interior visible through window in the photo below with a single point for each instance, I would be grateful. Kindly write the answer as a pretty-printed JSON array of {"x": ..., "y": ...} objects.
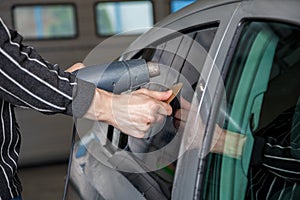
[
  {"x": 181, "y": 59},
  {"x": 256, "y": 153}
]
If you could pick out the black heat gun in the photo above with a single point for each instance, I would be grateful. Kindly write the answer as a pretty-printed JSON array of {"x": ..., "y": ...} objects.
[{"x": 119, "y": 76}]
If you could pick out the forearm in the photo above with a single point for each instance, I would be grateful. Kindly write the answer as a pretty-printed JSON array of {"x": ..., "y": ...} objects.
[
  {"x": 227, "y": 142},
  {"x": 100, "y": 108},
  {"x": 29, "y": 81}
]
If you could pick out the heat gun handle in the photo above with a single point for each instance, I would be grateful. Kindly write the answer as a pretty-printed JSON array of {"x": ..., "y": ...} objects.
[{"x": 117, "y": 77}]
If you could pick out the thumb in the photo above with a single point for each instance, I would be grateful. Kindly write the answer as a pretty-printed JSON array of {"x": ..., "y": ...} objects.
[
  {"x": 185, "y": 104},
  {"x": 161, "y": 96},
  {"x": 75, "y": 67}
]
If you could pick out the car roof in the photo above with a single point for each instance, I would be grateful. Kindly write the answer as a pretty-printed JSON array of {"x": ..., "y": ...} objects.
[
  {"x": 193, "y": 8},
  {"x": 165, "y": 24},
  {"x": 200, "y": 5}
]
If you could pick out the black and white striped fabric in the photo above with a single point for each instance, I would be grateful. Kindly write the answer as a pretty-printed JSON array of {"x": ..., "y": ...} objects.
[
  {"x": 277, "y": 173},
  {"x": 27, "y": 81}
]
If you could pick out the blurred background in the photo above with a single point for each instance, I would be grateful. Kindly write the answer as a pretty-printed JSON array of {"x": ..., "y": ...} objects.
[{"x": 65, "y": 32}]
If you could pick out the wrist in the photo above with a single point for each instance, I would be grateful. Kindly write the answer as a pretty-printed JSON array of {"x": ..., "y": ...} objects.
[{"x": 101, "y": 106}]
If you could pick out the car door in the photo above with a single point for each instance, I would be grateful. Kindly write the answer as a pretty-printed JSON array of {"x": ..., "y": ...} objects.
[
  {"x": 253, "y": 93},
  {"x": 145, "y": 168},
  {"x": 227, "y": 84}
]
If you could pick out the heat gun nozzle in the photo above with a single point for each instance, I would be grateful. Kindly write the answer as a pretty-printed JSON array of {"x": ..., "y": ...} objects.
[{"x": 153, "y": 69}]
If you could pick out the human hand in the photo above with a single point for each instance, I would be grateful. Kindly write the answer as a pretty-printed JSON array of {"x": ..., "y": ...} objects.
[
  {"x": 223, "y": 141},
  {"x": 132, "y": 113},
  {"x": 75, "y": 67},
  {"x": 227, "y": 142},
  {"x": 181, "y": 115}
]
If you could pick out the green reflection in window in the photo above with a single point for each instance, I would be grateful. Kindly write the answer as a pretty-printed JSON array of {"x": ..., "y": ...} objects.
[{"x": 260, "y": 88}]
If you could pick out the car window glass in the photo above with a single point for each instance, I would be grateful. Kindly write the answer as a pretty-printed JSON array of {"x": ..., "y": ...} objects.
[
  {"x": 45, "y": 21},
  {"x": 144, "y": 167},
  {"x": 261, "y": 95}
]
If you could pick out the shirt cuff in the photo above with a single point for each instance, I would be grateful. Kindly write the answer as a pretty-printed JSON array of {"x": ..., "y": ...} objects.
[
  {"x": 258, "y": 151},
  {"x": 83, "y": 94}
]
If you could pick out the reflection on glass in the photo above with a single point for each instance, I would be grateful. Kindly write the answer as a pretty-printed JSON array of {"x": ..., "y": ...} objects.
[
  {"x": 45, "y": 21},
  {"x": 179, "y": 4},
  {"x": 253, "y": 155},
  {"x": 107, "y": 165},
  {"x": 118, "y": 17}
]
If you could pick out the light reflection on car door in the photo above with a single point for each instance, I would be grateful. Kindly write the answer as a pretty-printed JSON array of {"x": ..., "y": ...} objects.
[{"x": 176, "y": 56}]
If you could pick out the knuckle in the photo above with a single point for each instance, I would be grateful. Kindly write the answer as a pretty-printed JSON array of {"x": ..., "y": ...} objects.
[
  {"x": 140, "y": 135},
  {"x": 150, "y": 119},
  {"x": 144, "y": 129},
  {"x": 143, "y": 91}
]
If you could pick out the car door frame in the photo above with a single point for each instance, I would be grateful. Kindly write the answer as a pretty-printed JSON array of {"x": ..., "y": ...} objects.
[
  {"x": 247, "y": 10},
  {"x": 184, "y": 186},
  {"x": 230, "y": 16}
]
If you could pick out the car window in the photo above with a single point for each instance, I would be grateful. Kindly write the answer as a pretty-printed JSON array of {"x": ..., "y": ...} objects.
[
  {"x": 261, "y": 95},
  {"x": 143, "y": 168}
]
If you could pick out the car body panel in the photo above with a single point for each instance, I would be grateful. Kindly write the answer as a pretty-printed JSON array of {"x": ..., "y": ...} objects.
[
  {"x": 246, "y": 10},
  {"x": 228, "y": 18}
]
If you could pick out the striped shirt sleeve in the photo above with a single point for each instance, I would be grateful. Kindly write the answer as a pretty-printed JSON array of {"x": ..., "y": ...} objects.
[
  {"x": 26, "y": 80},
  {"x": 280, "y": 154},
  {"x": 279, "y": 160}
]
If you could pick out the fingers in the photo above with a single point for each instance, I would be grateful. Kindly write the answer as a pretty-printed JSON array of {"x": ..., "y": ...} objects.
[
  {"x": 157, "y": 114},
  {"x": 181, "y": 115},
  {"x": 184, "y": 104},
  {"x": 75, "y": 67},
  {"x": 160, "y": 118},
  {"x": 160, "y": 106},
  {"x": 136, "y": 112},
  {"x": 161, "y": 96},
  {"x": 140, "y": 131}
]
